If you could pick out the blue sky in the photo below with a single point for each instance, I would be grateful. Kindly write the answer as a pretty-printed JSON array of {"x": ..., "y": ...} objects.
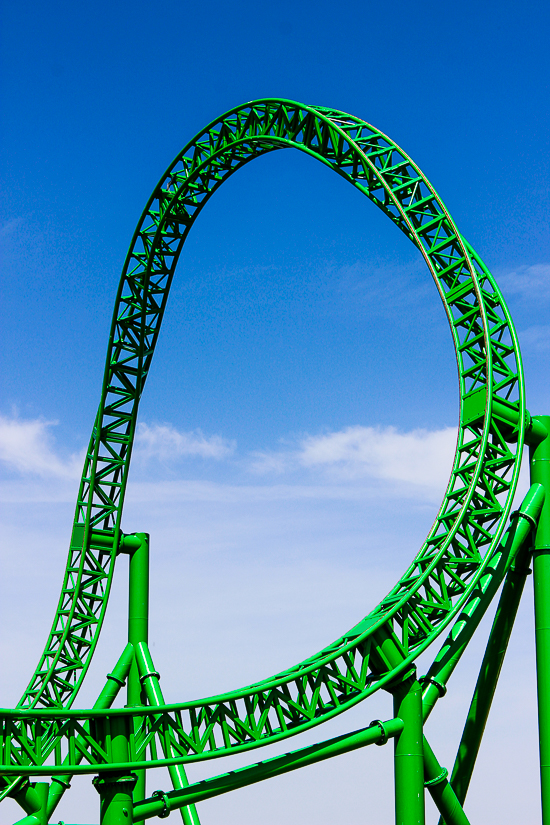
[{"x": 297, "y": 425}]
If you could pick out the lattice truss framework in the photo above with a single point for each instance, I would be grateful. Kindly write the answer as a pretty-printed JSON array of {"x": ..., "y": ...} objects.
[{"x": 464, "y": 537}]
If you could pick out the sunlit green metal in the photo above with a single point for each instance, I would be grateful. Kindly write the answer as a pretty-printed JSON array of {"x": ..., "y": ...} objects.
[
  {"x": 540, "y": 472},
  {"x": 276, "y": 766},
  {"x": 488, "y": 675},
  {"x": 473, "y": 611},
  {"x": 454, "y": 575},
  {"x": 150, "y": 679},
  {"x": 440, "y": 790},
  {"x": 409, "y": 753},
  {"x": 138, "y": 629}
]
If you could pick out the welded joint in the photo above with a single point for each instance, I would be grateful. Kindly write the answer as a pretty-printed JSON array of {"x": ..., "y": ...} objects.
[
  {"x": 429, "y": 680},
  {"x": 120, "y": 682},
  {"x": 385, "y": 736},
  {"x": 532, "y": 521},
  {"x": 148, "y": 675},
  {"x": 437, "y": 779},
  {"x": 535, "y": 431},
  {"x": 128, "y": 543},
  {"x": 166, "y": 801},
  {"x": 60, "y": 781}
]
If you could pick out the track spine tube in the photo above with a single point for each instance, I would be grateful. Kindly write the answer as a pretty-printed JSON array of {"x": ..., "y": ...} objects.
[
  {"x": 540, "y": 472},
  {"x": 409, "y": 754}
]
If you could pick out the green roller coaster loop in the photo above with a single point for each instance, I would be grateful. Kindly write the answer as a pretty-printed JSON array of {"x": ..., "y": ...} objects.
[{"x": 474, "y": 546}]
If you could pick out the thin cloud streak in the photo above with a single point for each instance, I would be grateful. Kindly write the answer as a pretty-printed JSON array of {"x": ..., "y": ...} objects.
[
  {"x": 28, "y": 447},
  {"x": 530, "y": 282},
  {"x": 351, "y": 464},
  {"x": 535, "y": 338},
  {"x": 165, "y": 442},
  {"x": 419, "y": 457}
]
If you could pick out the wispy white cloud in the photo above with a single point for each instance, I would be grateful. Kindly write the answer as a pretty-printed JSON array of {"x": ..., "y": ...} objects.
[
  {"x": 10, "y": 226},
  {"x": 165, "y": 442},
  {"x": 536, "y": 338},
  {"x": 527, "y": 281},
  {"x": 27, "y": 446},
  {"x": 348, "y": 464},
  {"x": 418, "y": 457}
]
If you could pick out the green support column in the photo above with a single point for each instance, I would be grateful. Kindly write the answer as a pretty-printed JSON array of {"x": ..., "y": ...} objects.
[
  {"x": 409, "y": 754},
  {"x": 138, "y": 624},
  {"x": 42, "y": 789},
  {"x": 153, "y": 692},
  {"x": 116, "y": 789},
  {"x": 540, "y": 472}
]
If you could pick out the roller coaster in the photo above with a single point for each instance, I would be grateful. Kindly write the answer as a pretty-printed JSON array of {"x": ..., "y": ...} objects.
[{"x": 476, "y": 548}]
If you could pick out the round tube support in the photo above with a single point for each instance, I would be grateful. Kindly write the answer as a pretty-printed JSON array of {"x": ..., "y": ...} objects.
[
  {"x": 540, "y": 472},
  {"x": 116, "y": 789},
  {"x": 409, "y": 754},
  {"x": 138, "y": 625}
]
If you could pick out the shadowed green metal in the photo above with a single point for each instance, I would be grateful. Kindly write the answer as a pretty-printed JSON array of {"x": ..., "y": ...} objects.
[{"x": 458, "y": 568}]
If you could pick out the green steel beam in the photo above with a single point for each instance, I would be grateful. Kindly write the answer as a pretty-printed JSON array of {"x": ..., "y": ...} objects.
[
  {"x": 151, "y": 682},
  {"x": 540, "y": 473},
  {"x": 467, "y": 623},
  {"x": 138, "y": 628},
  {"x": 160, "y": 803},
  {"x": 116, "y": 788},
  {"x": 442, "y": 793},
  {"x": 448, "y": 584},
  {"x": 115, "y": 681},
  {"x": 409, "y": 754},
  {"x": 488, "y": 675}
]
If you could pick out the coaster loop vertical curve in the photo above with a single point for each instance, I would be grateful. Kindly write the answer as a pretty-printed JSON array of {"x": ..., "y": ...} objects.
[{"x": 477, "y": 501}]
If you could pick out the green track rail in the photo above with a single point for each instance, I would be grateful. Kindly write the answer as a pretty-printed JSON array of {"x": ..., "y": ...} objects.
[{"x": 463, "y": 548}]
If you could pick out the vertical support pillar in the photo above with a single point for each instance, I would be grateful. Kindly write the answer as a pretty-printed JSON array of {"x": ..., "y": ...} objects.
[
  {"x": 409, "y": 754},
  {"x": 540, "y": 472},
  {"x": 41, "y": 789},
  {"x": 115, "y": 789},
  {"x": 138, "y": 627}
]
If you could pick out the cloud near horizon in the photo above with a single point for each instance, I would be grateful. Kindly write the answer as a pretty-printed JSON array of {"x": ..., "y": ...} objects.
[
  {"x": 27, "y": 446},
  {"x": 419, "y": 457},
  {"x": 165, "y": 442},
  {"x": 529, "y": 282}
]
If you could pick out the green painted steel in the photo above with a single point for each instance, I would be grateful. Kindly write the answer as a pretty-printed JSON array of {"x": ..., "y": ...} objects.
[
  {"x": 138, "y": 629},
  {"x": 199, "y": 791},
  {"x": 441, "y": 791},
  {"x": 448, "y": 585},
  {"x": 409, "y": 753},
  {"x": 488, "y": 675},
  {"x": 540, "y": 473}
]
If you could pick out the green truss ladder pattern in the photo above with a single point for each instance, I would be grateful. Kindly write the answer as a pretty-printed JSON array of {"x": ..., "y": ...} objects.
[{"x": 475, "y": 543}]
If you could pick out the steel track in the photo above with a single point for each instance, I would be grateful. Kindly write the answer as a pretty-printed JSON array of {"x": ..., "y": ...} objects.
[{"x": 463, "y": 544}]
